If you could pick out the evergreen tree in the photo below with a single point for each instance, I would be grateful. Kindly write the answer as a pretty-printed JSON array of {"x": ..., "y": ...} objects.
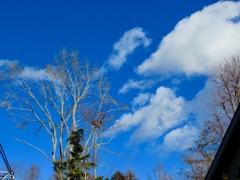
[{"x": 76, "y": 167}]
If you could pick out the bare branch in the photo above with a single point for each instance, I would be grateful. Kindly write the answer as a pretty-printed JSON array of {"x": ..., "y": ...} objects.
[{"x": 29, "y": 144}]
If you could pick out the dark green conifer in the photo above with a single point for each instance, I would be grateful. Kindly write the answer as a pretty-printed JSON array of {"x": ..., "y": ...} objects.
[{"x": 76, "y": 167}]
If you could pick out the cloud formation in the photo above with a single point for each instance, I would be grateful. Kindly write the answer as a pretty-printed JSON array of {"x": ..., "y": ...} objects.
[
  {"x": 33, "y": 73},
  {"x": 197, "y": 42},
  {"x": 27, "y": 72},
  {"x": 133, "y": 84},
  {"x": 141, "y": 100},
  {"x": 194, "y": 47},
  {"x": 179, "y": 139},
  {"x": 6, "y": 62},
  {"x": 155, "y": 115},
  {"x": 125, "y": 46}
]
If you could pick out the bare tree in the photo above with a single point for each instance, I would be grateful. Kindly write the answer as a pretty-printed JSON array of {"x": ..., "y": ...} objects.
[
  {"x": 23, "y": 172},
  {"x": 98, "y": 115},
  {"x": 224, "y": 100},
  {"x": 130, "y": 175},
  {"x": 226, "y": 96},
  {"x": 33, "y": 173},
  {"x": 59, "y": 99},
  {"x": 120, "y": 176},
  {"x": 18, "y": 168},
  {"x": 160, "y": 173}
]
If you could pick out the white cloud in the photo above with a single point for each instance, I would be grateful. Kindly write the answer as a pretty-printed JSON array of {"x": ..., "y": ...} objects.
[
  {"x": 141, "y": 99},
  {"x": 179, "y": 139},
  {"x": 32, "y": 73},
  {"x": 125, "y": 46},
  {"x": 6, "y": 62},
  {"x": 27, "y": 72},
  {"x": 162, "y": 112},
  {"x": 197, "y": 42},
  {"x": 132, "y": 84}
]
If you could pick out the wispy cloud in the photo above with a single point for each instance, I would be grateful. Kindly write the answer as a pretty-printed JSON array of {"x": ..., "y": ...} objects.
[
  {"x": 197, "y": 42},
  {"x": 125, "y": 46},
  {"x": 141, "y": 100},
  {"x": 27, "y": 72},
  {"x": 134, "y": 84},
  {"x": 33, "y": 73},
  {"x": 6, "y": 62}
]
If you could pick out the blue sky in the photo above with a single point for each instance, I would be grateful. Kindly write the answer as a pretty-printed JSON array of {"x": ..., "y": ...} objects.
[{"x": 156, "y": 54}]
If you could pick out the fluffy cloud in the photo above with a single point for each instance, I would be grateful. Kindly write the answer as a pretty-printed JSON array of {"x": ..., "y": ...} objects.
[
  {"x": 179, "y": 139},
  {"x": 133, "y": 84},
  {"x": 161, "y": 112},
  {"x": 125, "y": 46},
  {"x": 197, "y": 42}
]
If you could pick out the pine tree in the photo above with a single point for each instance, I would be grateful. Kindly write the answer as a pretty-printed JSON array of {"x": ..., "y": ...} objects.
[{"x": 76, "y": 167}]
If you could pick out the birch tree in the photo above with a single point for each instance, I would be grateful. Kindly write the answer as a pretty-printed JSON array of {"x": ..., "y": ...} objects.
[
  {"x": 224, "y": 100},
  {"x": 160, "y": 173},
  {"x": 60, "y": 99}
]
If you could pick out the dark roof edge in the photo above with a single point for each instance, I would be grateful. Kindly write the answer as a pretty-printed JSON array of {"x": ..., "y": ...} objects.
[{"x": 224, "y": 143}]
